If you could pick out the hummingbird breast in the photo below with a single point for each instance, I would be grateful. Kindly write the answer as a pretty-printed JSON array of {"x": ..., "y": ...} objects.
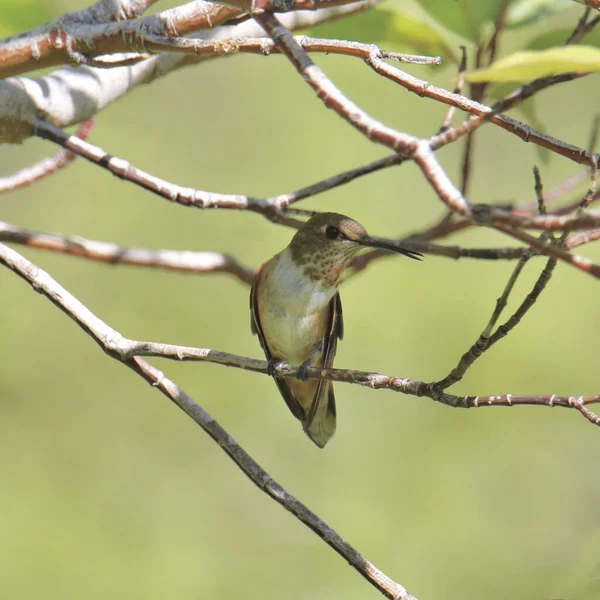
[{"x": 293, "y": 310}]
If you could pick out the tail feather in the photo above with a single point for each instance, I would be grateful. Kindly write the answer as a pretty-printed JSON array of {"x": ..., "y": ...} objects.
[{"x": 321, "y": 421}]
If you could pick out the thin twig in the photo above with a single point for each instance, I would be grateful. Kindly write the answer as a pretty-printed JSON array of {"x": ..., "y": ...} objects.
[
  {"x": 494, "y": 42},
  {"x": 530, "y": 299},
  {"x": 266, "y": 46},
  {"x": 45, "y": 167},
  {"x": 424, "y": 89},
  {"x": 172, "y": 260},
  {"x": 483, "y": 341},
  {"x": 284, "y": 200},
  {"x": 539, "y": 191},
  {"x": 591, "y": 193},
  {"x": 460, "y": 81},
  {"x": 403, "y": 143},
  {"x": 577, "y": 33},
  {"x": 269, "y": 207},
  {"x": 585, "y": 30},
  {"x": 549, "y": 249},
  {"x": 554, "y": 194}
]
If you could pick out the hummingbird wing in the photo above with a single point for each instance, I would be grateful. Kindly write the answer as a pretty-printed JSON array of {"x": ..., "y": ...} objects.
[
  {"x": 321, "y": 420},
  {"x": 256, "y": 328}
]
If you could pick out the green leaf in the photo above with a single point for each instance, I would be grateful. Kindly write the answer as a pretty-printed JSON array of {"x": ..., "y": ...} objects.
[
  {"x": 526, "y": 12},
  {"x": 467, "y": 18},
  {"x": 390, "y": 30},
  {"x": 21, "y": 15},
  {"x": 558, "y": 37},
  {"x": 524, "y": 66}
]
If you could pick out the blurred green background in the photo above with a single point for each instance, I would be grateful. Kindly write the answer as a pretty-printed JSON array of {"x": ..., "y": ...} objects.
[{"x": 108, "y": 491}]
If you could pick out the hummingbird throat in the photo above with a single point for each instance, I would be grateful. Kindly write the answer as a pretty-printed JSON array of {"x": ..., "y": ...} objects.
[{"x": 323, "y": 265}]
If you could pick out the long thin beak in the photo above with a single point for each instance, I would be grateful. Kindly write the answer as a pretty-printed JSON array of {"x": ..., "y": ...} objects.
[{"x": 373, "y": 243}]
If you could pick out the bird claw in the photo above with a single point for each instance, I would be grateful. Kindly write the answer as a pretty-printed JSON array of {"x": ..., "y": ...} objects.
[
  {"x": 302, "y": 374},
  {"x": 272, "y": 366}
]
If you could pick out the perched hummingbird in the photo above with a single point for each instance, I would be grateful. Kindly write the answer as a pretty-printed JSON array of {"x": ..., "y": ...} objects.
[{"x": 297, "y": 313}]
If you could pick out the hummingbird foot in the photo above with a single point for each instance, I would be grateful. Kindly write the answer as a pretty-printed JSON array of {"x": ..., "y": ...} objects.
[
  {"x": 272, "y": 364},
  {"x": 302, "y": 374}
]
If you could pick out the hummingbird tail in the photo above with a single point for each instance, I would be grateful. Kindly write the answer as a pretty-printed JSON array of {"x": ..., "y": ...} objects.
[{"x": 321, "y": 421}]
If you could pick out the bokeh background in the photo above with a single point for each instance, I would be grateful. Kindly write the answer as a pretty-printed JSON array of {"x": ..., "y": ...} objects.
[{"x": 109, "y": 491}]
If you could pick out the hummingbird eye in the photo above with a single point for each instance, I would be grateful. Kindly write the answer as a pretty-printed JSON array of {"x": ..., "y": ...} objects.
[{"x": 332, "y": 232}]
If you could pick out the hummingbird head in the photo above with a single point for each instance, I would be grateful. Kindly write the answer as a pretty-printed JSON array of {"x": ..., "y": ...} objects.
[{"x": 327, "y": 242}]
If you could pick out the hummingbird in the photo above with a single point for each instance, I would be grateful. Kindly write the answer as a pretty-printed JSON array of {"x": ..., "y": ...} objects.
[{"x": 296, "y": 312}]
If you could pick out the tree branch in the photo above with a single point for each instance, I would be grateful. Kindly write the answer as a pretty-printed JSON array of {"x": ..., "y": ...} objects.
[
  {"x": 403, "y": 143},
  {"x": 68, "y": 96},
  {"x": 527, "y": 133},
  {"x": 45, "y": 167},
  {"x": 172, "y": 260},
  {"x": 124, "y": 349},
  {"x": 116, "y": 346}
]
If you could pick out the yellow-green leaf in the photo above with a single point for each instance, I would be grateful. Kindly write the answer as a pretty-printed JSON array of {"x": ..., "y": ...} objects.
[{"x": 524, "y": 66}]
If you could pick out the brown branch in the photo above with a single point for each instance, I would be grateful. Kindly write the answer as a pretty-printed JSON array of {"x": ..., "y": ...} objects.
[
  {"x": 581, "y": 238},
  {"x": 91, "y": 33},
  {"x": 493, "y": 44},
  {"x": 523, "y": 208},
  {"x": 460, "y": 81},
  {"x": 121, "y": 348},
  {"x": 171, "y": 191},
  {"x": 45, "y": 167},
  {"x": 547, "y": 248},
  {"x": 285, "y": 200},
  {"x": 527, "y": 133},
  {"x": 172, "y": 260},
  {"x": 116, "y": 346},
  {"x": 78, "y": 37},
  {"x": 285, "y": 5},
  {"x": 269, "y": 207},
  {"x": 486, "y": 338},
  {"x": 266, "y": 46},
  {"x": 57, "y": 96},
  {"x": 580, "y": 28},
  {"x": 530, "y": 299},
  {"x": 403, "y": 143},
  {"x": 509, "y": 101}
]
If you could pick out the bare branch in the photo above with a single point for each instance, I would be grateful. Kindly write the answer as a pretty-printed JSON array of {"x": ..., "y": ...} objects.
[
  {"x": 68, "y": 95},
  {"x": 462, "y": 67},
  {"x": 92, "y": 33},
  {"x": 286, "y": 200},
  {"x": 549, "y": 249},
  {"x": 172, "y": 260},
  {"x": 486, "y": 339},
  {"x": 114, "y": 344},
  {"x": 266, "y": 46},
  {"x": 269, "y": 207},
  {"x": 403, "y": 143},
  {"x": 509, "y": 101},
  {"x": 527, "y": 133},
  {"x": 580, "y": 28},
  {"x": 530, "y": 299},
  {"x": 121, "y": 348},
  {"x": 45, "y": 167},
  {"x": 554, "y": 194}
]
